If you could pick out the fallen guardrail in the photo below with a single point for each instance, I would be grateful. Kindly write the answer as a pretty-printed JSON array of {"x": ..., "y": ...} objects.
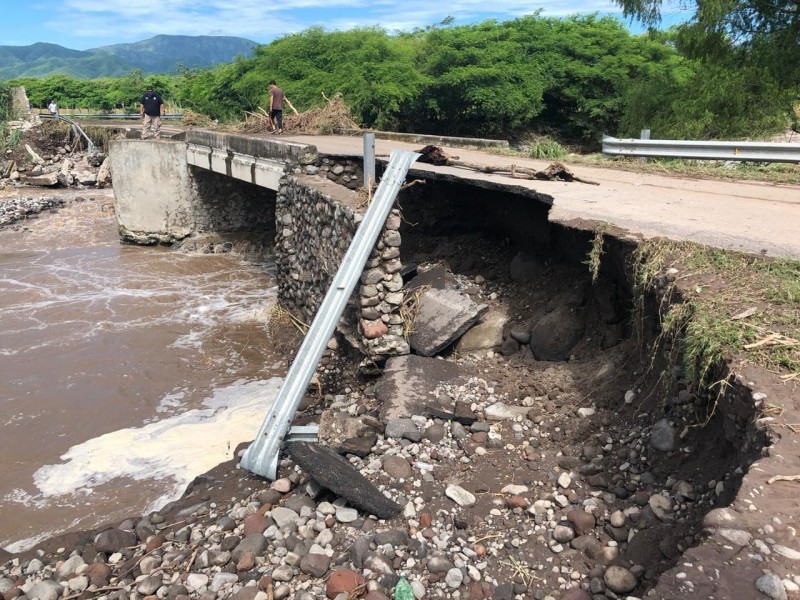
[
  {"x": 261, "y": 457},
  {"x": 76, "y": 128},
  {"x": 750, "y": 151}
]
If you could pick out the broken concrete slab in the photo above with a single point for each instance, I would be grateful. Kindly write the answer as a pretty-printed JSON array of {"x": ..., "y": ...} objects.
[
  {"x": 485, "y": 334},
  {"x": 6, "y": 171},
  {"x": 37, "y": 160},
  {"x": 438, "y": 278},
  {"x": 104, "y": 174},
  {"x": 332, "y": 471},
  {"x": 442, "y": 317},
  {"x": 45, "y": 180},
  {"x": 403, "y": 389},
  {"x": 336, "y": 426}
]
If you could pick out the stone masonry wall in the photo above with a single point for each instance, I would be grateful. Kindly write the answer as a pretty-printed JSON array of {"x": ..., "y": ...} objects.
[
  {"x": 226, "y": 205},
  {"x": 314, "y": 233},
  {"x": 346, "y": 172}
]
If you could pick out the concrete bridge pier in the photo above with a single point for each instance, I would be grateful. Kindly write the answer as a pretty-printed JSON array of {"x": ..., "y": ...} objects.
[{"x": 168, "y": 190}]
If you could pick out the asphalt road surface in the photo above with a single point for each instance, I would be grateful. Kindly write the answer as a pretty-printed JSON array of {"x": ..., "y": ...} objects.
[{"x": 748, "y": 216}]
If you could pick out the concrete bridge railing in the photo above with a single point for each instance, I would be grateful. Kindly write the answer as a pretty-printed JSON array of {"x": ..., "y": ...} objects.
[{"x": 160, "y": 199}]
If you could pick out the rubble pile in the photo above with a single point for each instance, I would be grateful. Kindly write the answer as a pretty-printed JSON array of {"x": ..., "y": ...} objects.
[{"x": 55, "y": 164}]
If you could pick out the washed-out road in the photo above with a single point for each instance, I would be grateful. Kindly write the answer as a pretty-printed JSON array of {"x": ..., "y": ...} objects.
[{"x": 752, "y": 217}]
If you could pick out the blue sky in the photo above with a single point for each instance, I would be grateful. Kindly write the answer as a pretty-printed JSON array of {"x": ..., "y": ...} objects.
[{"x": 83, "y": 24}]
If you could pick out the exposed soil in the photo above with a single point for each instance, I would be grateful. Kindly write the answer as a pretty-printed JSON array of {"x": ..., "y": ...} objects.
[{"x": 48, "y": 140}]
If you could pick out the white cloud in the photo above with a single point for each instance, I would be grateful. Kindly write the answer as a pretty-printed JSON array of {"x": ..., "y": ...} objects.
[{"x": 100, "y": 22}]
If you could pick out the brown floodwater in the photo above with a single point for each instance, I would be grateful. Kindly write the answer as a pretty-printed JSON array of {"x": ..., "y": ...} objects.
[{"x": 125, "y": 371}]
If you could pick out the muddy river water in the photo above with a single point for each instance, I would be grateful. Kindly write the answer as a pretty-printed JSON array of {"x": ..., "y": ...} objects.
[{"x": 125, "y": 371}]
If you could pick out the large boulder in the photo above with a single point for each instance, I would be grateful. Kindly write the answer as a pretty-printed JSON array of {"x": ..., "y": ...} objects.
[
  {"x": 524, "y": 268},
  {"x": 486, "y": 333},
  {"x": 555, "y": 335}
]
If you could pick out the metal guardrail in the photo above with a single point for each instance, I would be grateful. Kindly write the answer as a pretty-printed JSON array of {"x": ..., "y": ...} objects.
[
  {"x": 261, "y": 457},
  {"x": 113, "y": 117},
  {"x": 75, "y": 127},
  {"x": 752, "y": 151}
]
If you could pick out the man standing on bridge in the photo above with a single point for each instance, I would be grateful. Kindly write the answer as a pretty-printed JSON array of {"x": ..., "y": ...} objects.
[
  {"x": 276, "y": 100},
  {"x": 151, "y": 109}
]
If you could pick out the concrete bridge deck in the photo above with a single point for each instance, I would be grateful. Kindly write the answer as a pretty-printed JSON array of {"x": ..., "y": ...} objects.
[{"x": 747, "y": 216}]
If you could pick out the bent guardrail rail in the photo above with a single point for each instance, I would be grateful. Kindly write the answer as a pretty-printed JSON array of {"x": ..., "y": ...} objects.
[
  {"x": 752, "y": 151},
  {"x": 261, "y": 457},
  {"x": 75, "y": 127}
]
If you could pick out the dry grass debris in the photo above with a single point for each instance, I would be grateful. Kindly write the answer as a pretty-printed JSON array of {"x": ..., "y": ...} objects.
[
  {"x": 719, "y": 305},
  {"x": 332, "y": 117},
  {"x": 193, "y": 119}
]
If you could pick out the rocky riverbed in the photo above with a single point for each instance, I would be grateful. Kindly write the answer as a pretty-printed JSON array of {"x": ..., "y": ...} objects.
[
  {"x": 13, "y": 210},
  {"x": 501, "y": 495}
]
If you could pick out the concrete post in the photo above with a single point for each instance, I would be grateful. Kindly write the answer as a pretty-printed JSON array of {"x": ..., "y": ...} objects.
[
  {"x": 369, "y": 161},
  {"x": 152, "y": 194}
]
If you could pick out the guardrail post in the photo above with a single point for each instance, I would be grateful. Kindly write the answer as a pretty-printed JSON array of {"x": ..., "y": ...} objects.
[
  {"x": 644, "y": 135},
  {"x": 369, "y": 160}
]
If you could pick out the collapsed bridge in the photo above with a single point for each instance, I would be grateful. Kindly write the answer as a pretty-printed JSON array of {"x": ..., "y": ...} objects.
[{"x": 538, "y": 316}]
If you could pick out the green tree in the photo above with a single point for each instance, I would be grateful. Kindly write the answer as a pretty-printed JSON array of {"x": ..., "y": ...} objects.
[
  {"x": 481, "y": 80},
  {"x": 763, "y": 33},
  {"x": 591, "y": 63},
  {"x": 706, "y": 101},
  {"x": 374, "y": 71}
]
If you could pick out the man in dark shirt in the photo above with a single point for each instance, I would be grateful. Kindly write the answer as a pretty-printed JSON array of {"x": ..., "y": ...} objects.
[
  {"x": 151, "y": 108},
  {"x": 276, "y": 98}
]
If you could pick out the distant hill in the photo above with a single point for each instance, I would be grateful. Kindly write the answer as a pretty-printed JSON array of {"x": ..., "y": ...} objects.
[{"x": 159, "y": 54}]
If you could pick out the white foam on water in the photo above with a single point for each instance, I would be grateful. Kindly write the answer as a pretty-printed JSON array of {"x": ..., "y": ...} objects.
[
  {"x": 90, "y": 281},
  {"x": 171, "y": 402},
  {"x": 173, "y": 451}
]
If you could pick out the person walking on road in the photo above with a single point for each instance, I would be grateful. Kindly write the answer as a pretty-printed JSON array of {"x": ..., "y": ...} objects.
[
  {"x": 276, "y": 100},
  {"x": 53, "y": 108},
  {"x": 151, "y": 109}
]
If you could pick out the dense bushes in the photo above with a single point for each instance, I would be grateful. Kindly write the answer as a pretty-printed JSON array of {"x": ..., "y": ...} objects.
[
  {"x": 575, "y": 78},
  {"x": 498, "y": 79},
  {"x": 95, "y": 94}
]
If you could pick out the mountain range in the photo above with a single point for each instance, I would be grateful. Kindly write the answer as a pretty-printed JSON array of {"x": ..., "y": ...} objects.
[{"x": 159, "y": 54}]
